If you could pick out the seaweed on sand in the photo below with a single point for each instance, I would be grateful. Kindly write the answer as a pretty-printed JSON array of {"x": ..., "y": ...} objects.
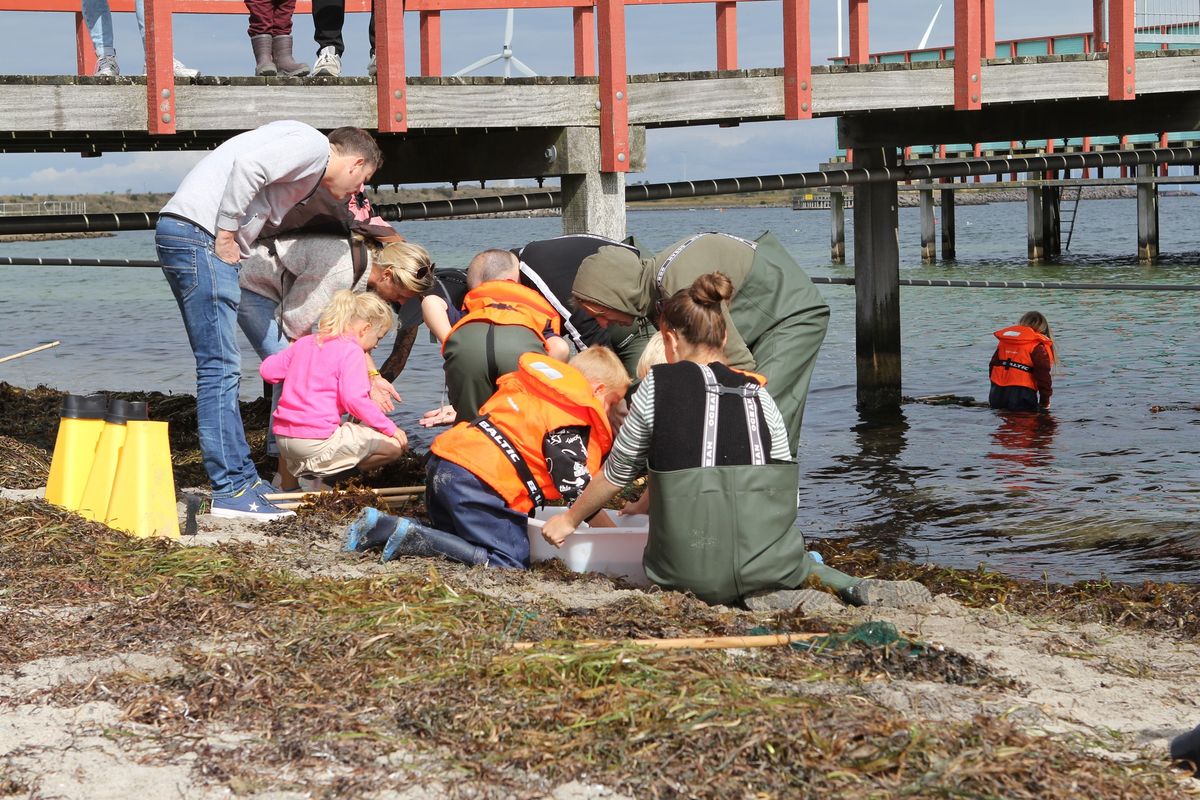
[
  {"x": 325, "y": 677},
  {"x": 1163, "y": 607}
]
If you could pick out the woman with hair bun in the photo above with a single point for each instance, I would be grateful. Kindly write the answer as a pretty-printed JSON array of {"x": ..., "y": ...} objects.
[{"x": 722, "y": 477}]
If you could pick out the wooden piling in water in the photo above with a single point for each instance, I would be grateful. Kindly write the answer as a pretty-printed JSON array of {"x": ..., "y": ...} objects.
[
  {"x": 877, "y": 285},
  {"x": 837, "y": 231},
  {"x": 1035, "y": 221},
  {"x": 948, "y": 246},
  {"x": 1147, "y": 216},
  {"x": 928, "y": 235}
]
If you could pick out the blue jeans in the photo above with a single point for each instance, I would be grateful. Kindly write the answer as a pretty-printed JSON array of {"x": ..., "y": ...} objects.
[
  {"x": 98, "y": 17},
  {"x": 462, "y": 504},
  {"x": 256, "y": 317},
  {"x": 206, "y": 289}
]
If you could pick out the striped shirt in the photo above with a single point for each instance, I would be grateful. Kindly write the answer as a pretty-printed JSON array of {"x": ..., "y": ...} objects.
[{"x": 627, "y": 460}]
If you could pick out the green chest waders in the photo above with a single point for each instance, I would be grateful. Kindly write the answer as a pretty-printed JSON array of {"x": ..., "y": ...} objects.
[{"x": 723, "y": 532}]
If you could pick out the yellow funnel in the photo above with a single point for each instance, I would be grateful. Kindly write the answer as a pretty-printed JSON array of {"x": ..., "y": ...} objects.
[
  {"x": 93, "y": 504},
  {"x": 79, "y": 428},
  {"x": 143, "y": 494}
]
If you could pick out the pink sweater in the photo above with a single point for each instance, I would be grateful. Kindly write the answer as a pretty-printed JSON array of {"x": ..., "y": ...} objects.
[{"x": 320, "y": 384}]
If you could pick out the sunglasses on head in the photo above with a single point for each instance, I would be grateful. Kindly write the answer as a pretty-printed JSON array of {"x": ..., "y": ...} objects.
[{"x": 425, "y": 271}]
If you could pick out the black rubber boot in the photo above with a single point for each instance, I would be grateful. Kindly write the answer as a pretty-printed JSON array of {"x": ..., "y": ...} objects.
[
  {"x": 411, "y": 538},
  {"x": 1187, "y": 748}
]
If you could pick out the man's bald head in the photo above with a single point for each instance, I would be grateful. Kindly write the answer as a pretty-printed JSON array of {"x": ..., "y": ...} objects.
[{"x": 493, "y": 265}]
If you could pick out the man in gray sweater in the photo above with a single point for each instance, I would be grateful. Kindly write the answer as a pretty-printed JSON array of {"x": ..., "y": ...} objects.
[{"x": 203, "y": 232}]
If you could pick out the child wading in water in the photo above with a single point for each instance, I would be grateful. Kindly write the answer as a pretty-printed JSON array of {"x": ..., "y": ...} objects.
[
  {"x": 1021, "y": 365},
  {"x": 325, "y": 376}
]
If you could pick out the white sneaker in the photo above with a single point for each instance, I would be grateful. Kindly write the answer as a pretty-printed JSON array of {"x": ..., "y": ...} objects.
[
  {"x": 106, "y": 67},
  {"x": 328, "y": 64},
  {"x": 371, "y": 67},
  {"x": 182, "y": 71}
]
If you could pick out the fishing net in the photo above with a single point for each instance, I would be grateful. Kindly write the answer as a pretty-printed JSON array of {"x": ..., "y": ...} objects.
[{"x": 868, "y": 634}]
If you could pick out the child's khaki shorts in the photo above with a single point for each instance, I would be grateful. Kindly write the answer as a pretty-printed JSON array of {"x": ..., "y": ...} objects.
[{"x": 345, "y": 448}]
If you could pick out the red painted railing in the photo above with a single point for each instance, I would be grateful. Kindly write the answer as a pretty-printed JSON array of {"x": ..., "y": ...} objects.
[{"x": 598, "y": 29}]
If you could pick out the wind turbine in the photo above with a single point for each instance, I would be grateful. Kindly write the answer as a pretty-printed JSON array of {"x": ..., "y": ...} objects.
[
  {"x": 505, "y": 54},
  {"x": 929, "y": 30}
]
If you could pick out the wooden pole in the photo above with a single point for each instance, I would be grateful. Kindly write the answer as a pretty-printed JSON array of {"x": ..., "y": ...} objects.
[
  {"x": 696, "y": 643},
  {"x": 877, "y": 284},
  {"x": 393, "y": 491},
  {"x": 30, "y": 351},
  {"x": 837, "y": 232},
  {"x": 928, "y": 234},
  {"x": 948, "y": 244},
  {"x": 1147, "y": 216},
  {"x": 1035, "y": 220}
]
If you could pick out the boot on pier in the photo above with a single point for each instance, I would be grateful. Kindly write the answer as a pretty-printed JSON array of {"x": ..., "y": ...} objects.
[
  {"x": 264, "y": 64},
  {"x": 284, "y": 62}
]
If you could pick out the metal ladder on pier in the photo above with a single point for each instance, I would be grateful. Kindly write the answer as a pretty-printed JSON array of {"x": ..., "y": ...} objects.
[{"x": 1070, "y": 212}]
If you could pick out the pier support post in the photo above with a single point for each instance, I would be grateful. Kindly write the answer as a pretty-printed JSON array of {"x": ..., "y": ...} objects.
[
  {"x": 928, "y": 236},
  {"x": 877, "y": 285},
  {"x": 594, "y": 202},
  {"x": 1147, "y": 216},
  {"x": 948, "y": 252},
  {"x": 1036, "y": 223},
  {"x": 1052, "y": 209},
  {"x": 837, "y": 229}
]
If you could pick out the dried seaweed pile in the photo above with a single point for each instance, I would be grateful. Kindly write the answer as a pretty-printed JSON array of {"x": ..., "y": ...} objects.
[
  {"x": 1163, "y": 607},
  {"x": 334, "y": 674}
]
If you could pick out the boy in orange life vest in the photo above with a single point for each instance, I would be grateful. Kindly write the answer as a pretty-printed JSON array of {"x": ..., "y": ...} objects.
[
  {"x": 540, "y": 437},
  {"x": 503, "y": 320},
  {"x": 1020, "y": 367}
]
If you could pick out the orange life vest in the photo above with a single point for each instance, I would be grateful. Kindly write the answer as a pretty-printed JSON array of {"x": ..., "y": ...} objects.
[
  {"x": 1015, "y": 354},
  {"x": 503, "y": 445},
  {"x": 508, "y": 303}
]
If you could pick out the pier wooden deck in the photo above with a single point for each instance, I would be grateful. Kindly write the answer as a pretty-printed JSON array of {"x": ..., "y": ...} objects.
[{"x": 113, "y": 110}]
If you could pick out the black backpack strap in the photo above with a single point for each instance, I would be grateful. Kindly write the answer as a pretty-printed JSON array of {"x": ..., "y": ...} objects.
[
  {"x": 514, "y": 457},
  {"x": 493, "y": 369}
]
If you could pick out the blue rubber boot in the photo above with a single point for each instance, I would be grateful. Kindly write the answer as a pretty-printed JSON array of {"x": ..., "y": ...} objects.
[
  {"x": 369, "y": 531},
  {"x": 411, "y": 538}
]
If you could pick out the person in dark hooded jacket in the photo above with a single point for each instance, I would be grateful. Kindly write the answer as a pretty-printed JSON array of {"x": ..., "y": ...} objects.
[{"x": 776, "y": 320}]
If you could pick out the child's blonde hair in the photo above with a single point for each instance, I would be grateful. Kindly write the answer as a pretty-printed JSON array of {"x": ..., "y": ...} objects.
[
  {"x": 1038, "y": 322},
  {"x": 601, "y": 365},
  {"x": 406, "y": 264},
  {"x": 347, "y": 307},
  {"x": 654, "y": 354}
]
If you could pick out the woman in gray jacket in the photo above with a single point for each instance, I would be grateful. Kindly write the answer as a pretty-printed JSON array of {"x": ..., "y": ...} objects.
[{"x": 289, "y": 280}]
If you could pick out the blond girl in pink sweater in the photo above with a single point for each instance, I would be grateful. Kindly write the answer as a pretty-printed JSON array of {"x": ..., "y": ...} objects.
[{"x": 326, "y": 376}]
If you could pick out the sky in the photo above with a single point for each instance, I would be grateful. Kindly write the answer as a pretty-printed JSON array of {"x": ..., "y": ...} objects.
[{"x": 44, "y": 43}]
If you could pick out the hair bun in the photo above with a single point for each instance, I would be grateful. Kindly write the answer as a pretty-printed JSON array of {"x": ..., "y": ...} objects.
[{"x": 711, "y": 289}]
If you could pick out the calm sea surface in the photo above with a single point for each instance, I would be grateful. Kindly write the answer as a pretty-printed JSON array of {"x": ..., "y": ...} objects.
[{"x": 1102, "y": 485}]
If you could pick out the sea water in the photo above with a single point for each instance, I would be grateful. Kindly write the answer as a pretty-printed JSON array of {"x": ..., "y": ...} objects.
[{"x": 1102, "y": 485}]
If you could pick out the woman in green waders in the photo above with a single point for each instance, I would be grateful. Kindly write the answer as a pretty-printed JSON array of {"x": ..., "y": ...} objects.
[{"x": 722, "y": 477}]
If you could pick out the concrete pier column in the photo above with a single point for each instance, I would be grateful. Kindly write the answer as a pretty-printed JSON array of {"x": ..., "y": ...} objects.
[
  {"x": 594, "y": 202},
  {"x": 948, "y": 251},
  {"x": 928, "y": 236},
  {"x": 1147, "y": 216},
  {"x": 837, "y": 227},
  {"x": 1036, "y": 224},
  {"x": 877, "y": 285}
]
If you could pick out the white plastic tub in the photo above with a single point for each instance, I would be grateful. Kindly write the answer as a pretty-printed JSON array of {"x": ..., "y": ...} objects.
[{"x": 612, "y": 551}]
